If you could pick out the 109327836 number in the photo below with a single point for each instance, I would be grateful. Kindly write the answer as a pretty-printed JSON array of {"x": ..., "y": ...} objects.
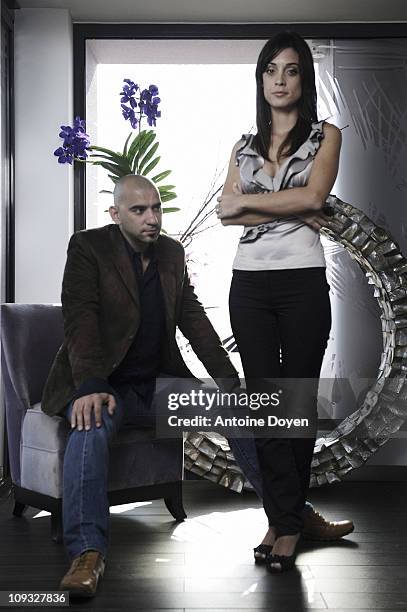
[{"x": 30, "y": 598}]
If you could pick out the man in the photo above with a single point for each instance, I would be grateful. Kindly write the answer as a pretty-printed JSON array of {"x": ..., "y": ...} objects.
[{"x": 124, "y": 291}]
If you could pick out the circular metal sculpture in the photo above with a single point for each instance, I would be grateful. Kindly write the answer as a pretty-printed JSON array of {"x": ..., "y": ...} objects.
[{"x": 384, "y": 408}]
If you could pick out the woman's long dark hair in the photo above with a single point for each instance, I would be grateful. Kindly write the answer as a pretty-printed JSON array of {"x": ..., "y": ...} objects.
[{"x": 307, "y": 104}]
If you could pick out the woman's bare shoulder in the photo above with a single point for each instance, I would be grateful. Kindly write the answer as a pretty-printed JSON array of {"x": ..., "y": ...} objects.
[
  {"x": 236, "y": 147},
  {"x": 331, "y": 131}
]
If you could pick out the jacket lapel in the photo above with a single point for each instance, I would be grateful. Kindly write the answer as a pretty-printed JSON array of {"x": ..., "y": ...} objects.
[
  {"x": 167, "y": 272},
  {"x": 121, "y": 260}
]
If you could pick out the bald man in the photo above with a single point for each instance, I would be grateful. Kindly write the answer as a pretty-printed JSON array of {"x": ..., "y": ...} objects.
[{"x": 125, "y": 290}]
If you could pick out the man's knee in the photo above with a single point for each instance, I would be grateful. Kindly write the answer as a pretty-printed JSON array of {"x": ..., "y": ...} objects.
[{"x": 106, "y": 430}]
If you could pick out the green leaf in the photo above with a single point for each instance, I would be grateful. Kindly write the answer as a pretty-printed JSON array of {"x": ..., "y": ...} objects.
[
  {"x": 100, "y": 156},
  {"x": 166, "y": 197},
  {"x": 114, "y": 155},
  {"x": 115, "y": 160},
  {"x": 143, "y": 148},
  {"x": 124, "y": 168},
  {"x": 161, "y": 176},
  {"x": 148, "y": 156},
  {"x": 170, "y": 210},
  {"x": 148, "y": 141},
  {"x": 110, "y": 167},
  {"x": 166, "y": 187},
  {"x": 151, "y": 165},
  {"x": 125, "y": 144},
  {"x": 135, "y": 144},
  {"x": 138, "y": 147}
]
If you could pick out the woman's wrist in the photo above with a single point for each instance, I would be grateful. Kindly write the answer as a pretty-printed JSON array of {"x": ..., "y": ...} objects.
[{"x": 255, "y": 203}]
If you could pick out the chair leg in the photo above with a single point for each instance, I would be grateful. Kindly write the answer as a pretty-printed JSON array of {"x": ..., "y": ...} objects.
[
  {"x": 56, "y": 527},
  {"x": 174, "y": 503},
  {"x": 19, "y": 509}
]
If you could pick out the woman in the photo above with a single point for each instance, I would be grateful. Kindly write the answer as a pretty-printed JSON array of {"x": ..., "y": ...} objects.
[{"x": 277, "y": 184}]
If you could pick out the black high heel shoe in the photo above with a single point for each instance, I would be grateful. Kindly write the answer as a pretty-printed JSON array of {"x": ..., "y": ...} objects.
[
  {"x": 276, "y": 564},
  {"x": 261, "y": 552},
  {"x": 286, "y": 563}
]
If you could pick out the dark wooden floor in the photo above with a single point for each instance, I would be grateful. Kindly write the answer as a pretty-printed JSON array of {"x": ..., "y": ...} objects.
[{"x": 206, "y": 562}]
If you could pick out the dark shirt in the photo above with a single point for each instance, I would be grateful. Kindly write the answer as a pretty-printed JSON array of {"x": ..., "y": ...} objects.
[{"x": 142, "y": 361}]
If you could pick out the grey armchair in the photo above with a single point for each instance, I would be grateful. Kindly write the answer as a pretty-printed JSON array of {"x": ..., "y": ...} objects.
[{"x": 150, "y": 467}]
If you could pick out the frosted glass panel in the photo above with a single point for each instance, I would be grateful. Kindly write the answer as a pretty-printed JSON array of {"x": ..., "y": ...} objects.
[{"x": 367, "y": 97}]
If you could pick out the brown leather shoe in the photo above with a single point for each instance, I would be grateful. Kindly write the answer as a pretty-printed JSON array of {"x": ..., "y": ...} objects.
[
  {"x": 318, "y": 528},
  {"x": 82, "y": 578}
]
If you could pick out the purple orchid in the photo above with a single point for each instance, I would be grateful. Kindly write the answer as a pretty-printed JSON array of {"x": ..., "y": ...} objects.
[
  {"x": 130, "y": 115},
  {"x": 76, "y": 142},
  {"x": 129, "y": 90},
  {"x": 147, "y": 103}
]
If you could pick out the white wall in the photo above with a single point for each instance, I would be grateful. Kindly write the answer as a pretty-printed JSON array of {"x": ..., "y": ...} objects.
[{"x": 44, "y": 188}]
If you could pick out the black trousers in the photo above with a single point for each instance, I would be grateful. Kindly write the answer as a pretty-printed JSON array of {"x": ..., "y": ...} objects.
[{"x": 281, "y": 321}]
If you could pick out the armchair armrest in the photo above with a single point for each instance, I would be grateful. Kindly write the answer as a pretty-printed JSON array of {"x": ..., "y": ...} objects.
[{"x": 43, "y": 441}]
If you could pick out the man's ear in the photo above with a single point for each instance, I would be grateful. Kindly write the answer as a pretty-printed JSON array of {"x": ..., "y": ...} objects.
[{"x": 114, "y": 213}]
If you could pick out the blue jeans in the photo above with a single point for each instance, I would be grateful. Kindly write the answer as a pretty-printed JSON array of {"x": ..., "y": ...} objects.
[{"x": 85, "y": 506}]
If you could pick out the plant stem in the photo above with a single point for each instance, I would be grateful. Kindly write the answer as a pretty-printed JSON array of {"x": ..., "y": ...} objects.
[{"x": 198, "y": 220}]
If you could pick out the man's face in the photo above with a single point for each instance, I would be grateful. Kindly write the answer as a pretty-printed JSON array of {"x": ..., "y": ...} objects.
[{"x": 139, "y": 215}]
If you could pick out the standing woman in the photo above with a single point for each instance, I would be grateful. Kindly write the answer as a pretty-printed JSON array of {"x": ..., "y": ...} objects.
[{"x": 276, "y": 187}]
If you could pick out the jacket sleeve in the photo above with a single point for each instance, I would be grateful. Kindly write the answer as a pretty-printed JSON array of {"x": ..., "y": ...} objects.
[
  {"x": 80, "y": 309},
  {"x": 205, "y": 342}
]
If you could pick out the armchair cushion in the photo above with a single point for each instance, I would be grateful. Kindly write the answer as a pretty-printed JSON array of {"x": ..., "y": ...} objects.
[{"x": 43, "y": 441}]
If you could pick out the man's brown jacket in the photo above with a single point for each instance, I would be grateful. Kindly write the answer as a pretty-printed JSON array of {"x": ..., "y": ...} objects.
[{"x": 101, "y": 312}]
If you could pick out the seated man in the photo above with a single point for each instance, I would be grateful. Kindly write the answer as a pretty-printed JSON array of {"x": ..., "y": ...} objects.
[{"x": 124, "y": 291}]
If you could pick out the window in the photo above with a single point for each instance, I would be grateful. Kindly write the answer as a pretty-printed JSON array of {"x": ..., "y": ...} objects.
[
  {"x": 208, "y": 94},
  {"x": 208, "y": 100}
]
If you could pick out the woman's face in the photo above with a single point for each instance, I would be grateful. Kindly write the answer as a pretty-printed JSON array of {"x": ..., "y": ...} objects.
[{"x": 282, "y": 74}]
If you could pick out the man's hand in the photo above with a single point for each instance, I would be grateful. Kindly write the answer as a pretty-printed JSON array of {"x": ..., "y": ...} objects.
[{"x": 83, "y": 406}]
